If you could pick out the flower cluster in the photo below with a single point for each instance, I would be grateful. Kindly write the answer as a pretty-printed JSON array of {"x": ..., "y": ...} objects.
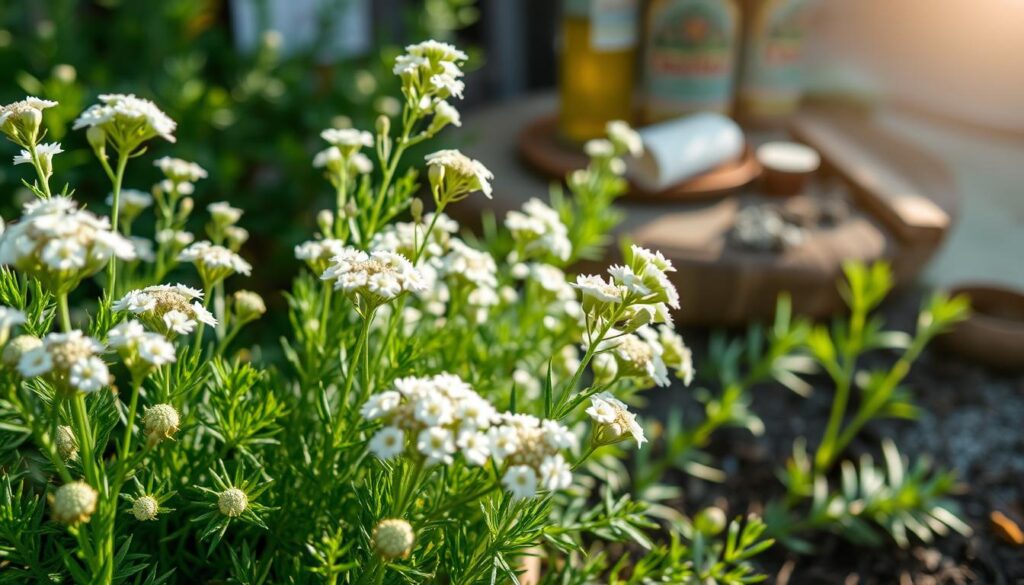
[
  {"x": 21, "y": 120},
  {"x": 317, "y": 254},
  {"x": 60, "y": 244},
  {"x": 125, "y": 121},
  {"x": 131, "y": 203},
  {"x": 406, "y": 238},
  {"x": 448, "y": 266},
  {"x": 375, "y": 278},
  {"x": 638, "y": 292},
  {"x": 179, "y": 178},
  {"x": 179, "y": 171},
  {"x": 431, "y": 72},
  {"x": 141, "y": 350},
  {"x": 454, "y": 176},
  {"x": 538, "y": 232},
  {"x": 74, "y": 502},
  {"x": 69, "y": 361},
  {"x": 444, "y": 416},
  {"x": 342, "y": 158},
  {"x": 214, "y": 262},
  {"x": 614, "y": 421},
  {"x": 169, "y": 309}
]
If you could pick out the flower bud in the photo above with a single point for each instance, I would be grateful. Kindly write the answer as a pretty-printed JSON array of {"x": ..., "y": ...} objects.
[
  {"x": 161, "y": 422},
  {"x": 31, "y": 120},
  {"x": 97, "y": 138},
  {"x": 145, "y": 508},
  {"x": 185, "y": 207},
  {"x": 232, "y": 502},
  {"x": 236, "y": 236},
  {"x": 248, "y": 306},
  {"x": 710, "y": 521},
  {"x": 18, "y": 347},
  {"x": 416, "y": 209},
  {"x": 74, "y": 502},
  {"x": 67, "y": 444},
  {"x": 383, "y": 125},
  {"x": 325, "y": 220},
  {"x": 393, "y": 539}
]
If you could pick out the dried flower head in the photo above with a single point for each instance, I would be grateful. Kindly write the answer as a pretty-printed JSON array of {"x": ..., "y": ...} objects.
[
  {"x": 161, "y": 422},
  {"x": 74, "y": 502},
  {"x": 67, "y": 443},
  {"x": 232, "y": 502},
  {"x": 145, "y": 508},
  {"x": 393, "y": 539}
]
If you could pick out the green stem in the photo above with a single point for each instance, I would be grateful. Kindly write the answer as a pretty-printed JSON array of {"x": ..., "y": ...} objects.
[
  {"x": 122, "y": 162},
  {"x": 403, "y": 143},
  {"x": 586, "y": 455},
  {"x": 828, "y": 448},
  {"x": 129, "y": 426},
  {"x": 44, "y": 181},
  {"x": 426, "y": 235},
  {"x": 65, "y": 314},
  {"x": 325, "y": 312},
  {"x": 350, "y": 375},
  {"x": 341, "y": 197}
]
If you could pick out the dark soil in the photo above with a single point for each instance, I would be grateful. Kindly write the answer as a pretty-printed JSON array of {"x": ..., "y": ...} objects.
[{"x": 972, "y": 421}]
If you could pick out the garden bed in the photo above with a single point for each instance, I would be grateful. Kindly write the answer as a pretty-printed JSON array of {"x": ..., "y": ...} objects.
[{"x": 970, "y": 421}]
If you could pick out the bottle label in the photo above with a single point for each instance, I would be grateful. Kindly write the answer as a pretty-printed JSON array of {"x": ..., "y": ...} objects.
[
  {"x": 613, "y": 24},
  {"x": 774, "y": 68},
  {"x": 690, "y": 55}
]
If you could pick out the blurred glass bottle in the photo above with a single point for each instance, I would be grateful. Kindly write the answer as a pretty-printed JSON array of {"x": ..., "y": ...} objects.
[
  {"x": 771, "y": 79},
  {"x": 596, "y": 77},
  {"x": 690, "y": 53}
]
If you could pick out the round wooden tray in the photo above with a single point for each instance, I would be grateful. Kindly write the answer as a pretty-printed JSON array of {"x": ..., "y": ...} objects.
[{"x": 545, "y": 151}]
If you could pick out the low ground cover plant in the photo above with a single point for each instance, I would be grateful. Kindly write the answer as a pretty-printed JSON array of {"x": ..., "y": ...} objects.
[{"x": 448, "y": 408}]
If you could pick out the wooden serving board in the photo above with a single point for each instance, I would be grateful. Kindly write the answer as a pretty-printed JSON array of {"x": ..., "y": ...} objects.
[{"x": 543, "y": 150}]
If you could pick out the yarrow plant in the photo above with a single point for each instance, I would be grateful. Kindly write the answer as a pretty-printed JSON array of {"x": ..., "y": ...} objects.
[{"x": 444, "y": 408}]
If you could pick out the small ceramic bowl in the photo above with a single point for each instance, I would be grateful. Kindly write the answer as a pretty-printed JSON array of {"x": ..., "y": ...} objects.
[
  {"x": 787, "y": 166},
  {"x": 994, "y": 333}
]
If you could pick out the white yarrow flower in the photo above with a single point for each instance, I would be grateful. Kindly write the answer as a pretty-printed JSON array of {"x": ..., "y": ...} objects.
[
  {"x": 520, "y": 481},
  {"x": 388, "y": 443}
]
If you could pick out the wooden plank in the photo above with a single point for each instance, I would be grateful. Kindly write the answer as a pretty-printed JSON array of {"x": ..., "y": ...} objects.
[{"x": 884, "y": 187}]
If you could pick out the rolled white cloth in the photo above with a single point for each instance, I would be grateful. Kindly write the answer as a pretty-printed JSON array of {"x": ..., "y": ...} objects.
[{"x": 680, "y": 149}]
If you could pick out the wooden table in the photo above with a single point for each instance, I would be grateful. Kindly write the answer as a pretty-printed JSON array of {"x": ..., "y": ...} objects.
[{"x": 905, "y": 199}]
